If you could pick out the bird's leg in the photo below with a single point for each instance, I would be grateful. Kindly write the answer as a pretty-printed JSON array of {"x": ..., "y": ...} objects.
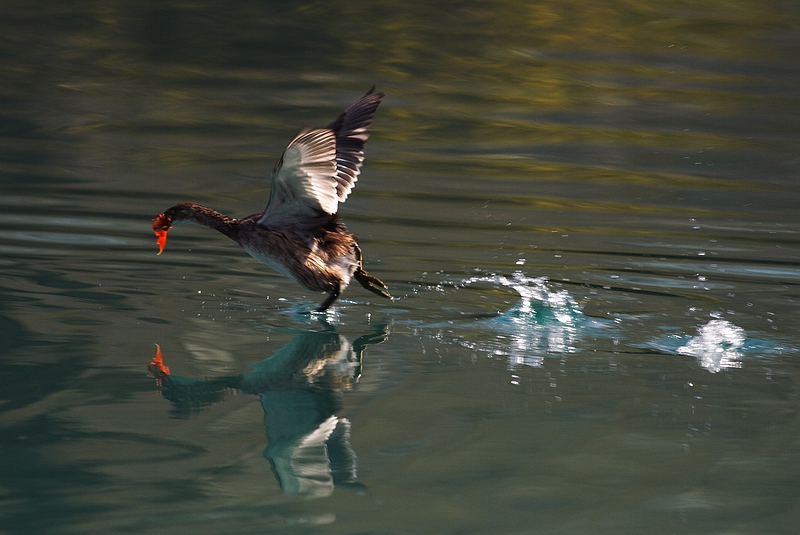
[
  {"x": 329, "y": 300},
  {"x": 373, "y": 284}
]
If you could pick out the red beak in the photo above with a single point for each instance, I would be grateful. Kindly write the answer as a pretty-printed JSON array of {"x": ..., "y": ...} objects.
[{"x": 161, "y": 226}]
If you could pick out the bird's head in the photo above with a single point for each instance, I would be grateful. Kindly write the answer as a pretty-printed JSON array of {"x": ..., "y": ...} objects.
[{"x": 161, "y": 226}]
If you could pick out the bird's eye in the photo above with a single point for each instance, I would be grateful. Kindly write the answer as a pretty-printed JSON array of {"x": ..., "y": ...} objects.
[{"x": 162, "y": 223}]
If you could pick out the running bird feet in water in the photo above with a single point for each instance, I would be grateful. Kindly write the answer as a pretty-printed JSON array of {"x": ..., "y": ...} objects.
[{"x": 300, "y": 233}]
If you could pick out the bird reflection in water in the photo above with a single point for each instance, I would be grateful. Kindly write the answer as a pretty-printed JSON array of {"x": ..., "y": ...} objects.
[{"x": 300, "y": 388}]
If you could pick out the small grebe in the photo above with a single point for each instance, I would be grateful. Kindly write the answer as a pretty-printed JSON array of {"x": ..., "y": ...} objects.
[{"x": 300, "y": 234}]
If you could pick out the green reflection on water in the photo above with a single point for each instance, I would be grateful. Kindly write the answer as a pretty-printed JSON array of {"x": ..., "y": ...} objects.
[{"x": 639, "y": 154}]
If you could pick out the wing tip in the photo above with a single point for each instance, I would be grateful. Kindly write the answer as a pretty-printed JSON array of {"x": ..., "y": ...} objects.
[{"x": 372, "y": 92}]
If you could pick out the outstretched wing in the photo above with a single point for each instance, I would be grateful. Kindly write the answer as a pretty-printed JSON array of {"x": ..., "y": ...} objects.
[
  {"x": 352, "y": 130},
  {"x": 302, "y": 182},
  {"x": 319, "y": 169}
]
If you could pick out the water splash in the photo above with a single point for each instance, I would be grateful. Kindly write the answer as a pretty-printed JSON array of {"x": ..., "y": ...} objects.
[
  {"x": 718, "y": 345},
  {"x": 542, "y": 322},
  {"x": 537, "y": 301}
]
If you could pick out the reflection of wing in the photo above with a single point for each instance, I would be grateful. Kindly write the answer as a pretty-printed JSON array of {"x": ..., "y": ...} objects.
[
  {"x": 319, "y": 169},
  {"x": 301, "y": 461},
  {"x": 343, "y": 458}
]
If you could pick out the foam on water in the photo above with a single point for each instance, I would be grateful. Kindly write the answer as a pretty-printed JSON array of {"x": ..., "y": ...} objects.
[
  {"x": 717, "y": 346},
  {"x": 537, "y": 303},
  {"x": 542, "y": 322}
]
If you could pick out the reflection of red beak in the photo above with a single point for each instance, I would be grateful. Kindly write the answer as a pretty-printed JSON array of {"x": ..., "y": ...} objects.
[
  {"x": 161, "y": 226},
  {"x": 157, "y": 369}
]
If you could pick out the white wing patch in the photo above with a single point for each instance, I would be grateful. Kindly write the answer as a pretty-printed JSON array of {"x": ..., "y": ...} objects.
[{"x": 303, "y": 181}]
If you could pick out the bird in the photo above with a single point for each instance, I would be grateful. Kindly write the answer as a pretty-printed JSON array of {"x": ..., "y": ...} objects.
[{"x": 300, "y": 233}]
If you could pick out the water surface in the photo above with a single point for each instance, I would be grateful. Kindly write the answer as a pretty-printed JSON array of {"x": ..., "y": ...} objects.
[{"x": 588, "y": 216}]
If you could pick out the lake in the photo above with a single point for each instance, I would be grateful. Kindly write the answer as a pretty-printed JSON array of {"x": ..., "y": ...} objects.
[{"x": 588, "y": 216}]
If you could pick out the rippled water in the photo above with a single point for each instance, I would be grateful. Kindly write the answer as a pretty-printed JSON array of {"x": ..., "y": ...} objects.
[{"x": 587, "y": 214}]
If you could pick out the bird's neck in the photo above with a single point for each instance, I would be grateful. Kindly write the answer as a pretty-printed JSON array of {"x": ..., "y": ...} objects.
[{"x": 203, "y": 215}]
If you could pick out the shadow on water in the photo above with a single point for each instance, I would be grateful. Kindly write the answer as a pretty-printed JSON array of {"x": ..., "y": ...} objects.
[{"x": 300, "y": 388}]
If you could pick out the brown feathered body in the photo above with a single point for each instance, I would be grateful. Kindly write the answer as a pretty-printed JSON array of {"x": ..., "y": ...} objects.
[{"x": 300, "y": 234}]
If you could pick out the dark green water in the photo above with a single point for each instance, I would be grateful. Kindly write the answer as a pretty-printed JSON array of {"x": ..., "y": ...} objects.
[{"x": 588, "y": 215}]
